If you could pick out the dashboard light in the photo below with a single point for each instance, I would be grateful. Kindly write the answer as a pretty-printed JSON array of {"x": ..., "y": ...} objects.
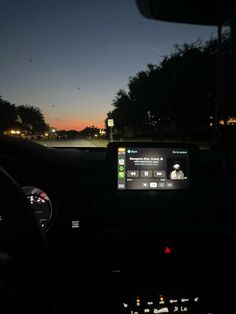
[
  {"x": 167, "y": 250},
  {"x": 75, "y": 224}
]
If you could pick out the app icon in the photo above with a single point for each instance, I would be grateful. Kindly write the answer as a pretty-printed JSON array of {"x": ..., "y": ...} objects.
[
  {"x": 121, "y": 175},
  {"x": 121, "y": 186},
  {"x": 121, "y": 161},
  {"x": 121, "y": 149},
  {"x": 121, "y": 168}
]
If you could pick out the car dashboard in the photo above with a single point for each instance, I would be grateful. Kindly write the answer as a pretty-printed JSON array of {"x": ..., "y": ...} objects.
[{"x": 134, "y": 250}]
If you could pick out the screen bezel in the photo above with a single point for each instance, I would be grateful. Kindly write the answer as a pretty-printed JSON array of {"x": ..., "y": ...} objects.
[{"x": 112, "y": 155}]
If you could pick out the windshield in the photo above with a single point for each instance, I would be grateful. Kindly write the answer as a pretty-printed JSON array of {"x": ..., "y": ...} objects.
[{"x": 83, "y": 73}]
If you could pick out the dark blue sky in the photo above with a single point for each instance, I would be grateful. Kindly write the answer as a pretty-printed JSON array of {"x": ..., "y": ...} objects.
[{"x": 50, "y": 47}]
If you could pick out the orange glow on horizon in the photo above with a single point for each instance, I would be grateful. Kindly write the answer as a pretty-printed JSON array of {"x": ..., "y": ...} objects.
[{"x": 76, "y": 125}]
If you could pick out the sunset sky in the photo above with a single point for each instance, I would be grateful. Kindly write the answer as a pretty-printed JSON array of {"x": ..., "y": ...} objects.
[{"x": 70, "y": 57}]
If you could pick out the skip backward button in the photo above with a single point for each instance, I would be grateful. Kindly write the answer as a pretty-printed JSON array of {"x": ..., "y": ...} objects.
[{"x": 132, "y": 173}]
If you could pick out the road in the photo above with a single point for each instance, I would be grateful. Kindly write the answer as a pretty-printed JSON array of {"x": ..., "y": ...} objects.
[{"x": 81, "y": 142}]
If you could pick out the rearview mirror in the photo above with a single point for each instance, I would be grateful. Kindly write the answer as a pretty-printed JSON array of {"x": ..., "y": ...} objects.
[{"x": 201, "y": 12}]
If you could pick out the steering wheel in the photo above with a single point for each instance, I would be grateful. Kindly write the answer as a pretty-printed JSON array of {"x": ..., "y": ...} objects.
[
  {"x": 24, "y": 234},
  {"x": 23, "y": 249}
]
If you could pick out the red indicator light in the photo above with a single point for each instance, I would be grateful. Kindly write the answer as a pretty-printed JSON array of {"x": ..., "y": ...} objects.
[
  {"x": 167, "y": 250},
  {"x": 43, "y": 196}
]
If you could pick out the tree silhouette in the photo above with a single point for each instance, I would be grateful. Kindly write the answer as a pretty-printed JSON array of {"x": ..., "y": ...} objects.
[
  {"x": 8, "y": 115},
  {"x": 179, "y": 95},
  {"x": 32, "y": 118},
  {"x": 22, "y": 117},
  {"x": 89, "y": 131}
]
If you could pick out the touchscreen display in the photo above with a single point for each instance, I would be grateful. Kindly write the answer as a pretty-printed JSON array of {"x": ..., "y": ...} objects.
[{"x": 142, "y": 168}]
